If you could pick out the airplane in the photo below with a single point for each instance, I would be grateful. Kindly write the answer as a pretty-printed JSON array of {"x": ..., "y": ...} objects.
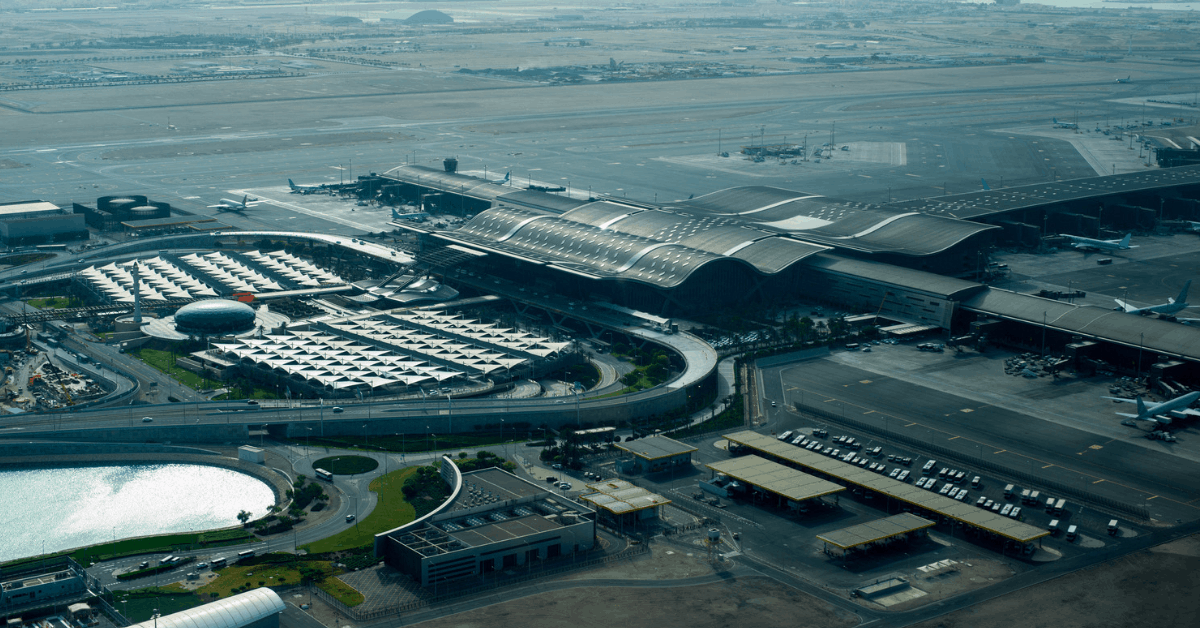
[
  {"x": 1161, "y": 413},
  {"x": 985, "y": 185},
  {"x": 1065, "y": 125},
  {"x": 230, "y": 205},
  {"x": 1081, "y": 242},
  {"x": 1127, "y": 79},
  {"x": 1163, "y": 309},
  {"x": 505, "y": 180},
  {"x": 305, "y": 189}
]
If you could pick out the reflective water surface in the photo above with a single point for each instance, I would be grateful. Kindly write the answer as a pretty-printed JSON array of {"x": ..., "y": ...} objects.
[{"x": 66, "y": 508}]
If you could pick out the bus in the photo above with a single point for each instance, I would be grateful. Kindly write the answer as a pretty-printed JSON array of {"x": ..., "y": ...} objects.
[
  {"x": 245, "y": 554},
  {"x": 322, "y": 474},
  {"x": 219, "y": 562}
]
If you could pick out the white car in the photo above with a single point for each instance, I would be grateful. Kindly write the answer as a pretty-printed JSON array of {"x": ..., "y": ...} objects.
[
  {"x": 146, "y": 419},
  {"x": 566, "y": 486}
]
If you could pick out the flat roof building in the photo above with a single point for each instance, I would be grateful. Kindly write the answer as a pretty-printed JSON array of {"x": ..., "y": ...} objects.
[
  {"x": 493, "y": 521},
  {"x": 899, "y": 527},
  {"x": 655, "y": 454},
  {"x": 622, "y": 499}
]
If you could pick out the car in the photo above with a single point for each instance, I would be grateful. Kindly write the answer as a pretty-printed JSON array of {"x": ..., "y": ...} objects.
[
  {"x": 774, "y": 405},
  {"x": 147, "y": 419},
  {"x": 557, "y": 466},
  {"x": 552, "y": 480},
  {"x": 202, "y": 566},
  {"x": 338, "y": 410},
  {"x": 566, "y": 486},
  {"x": 349, "y": 518},
  {"x": 143, "y": 565},
  {"x": 251, "y": 402}
]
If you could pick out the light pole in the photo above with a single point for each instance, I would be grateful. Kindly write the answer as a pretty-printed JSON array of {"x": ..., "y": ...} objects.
[
  {"x": 451, "y": 412},
  {"x": 322, "y": 416},
  {"x": 1043, "y": 333}
]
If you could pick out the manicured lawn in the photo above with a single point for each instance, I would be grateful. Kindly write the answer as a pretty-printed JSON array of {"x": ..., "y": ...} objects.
[
  {"x": 343, "y": 592},
  {"x": 139, "y": 605},
  {"x": 165, "y": 362},
  {"x": 236, "y": 579},
  {"x": 50, "y": 303},
  {"x": 392, "y": 510},
  {"x": 347, "y": 465}
]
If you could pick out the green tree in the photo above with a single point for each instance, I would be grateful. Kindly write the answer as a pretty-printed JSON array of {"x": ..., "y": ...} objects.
[{"x": 243, "y": 516}]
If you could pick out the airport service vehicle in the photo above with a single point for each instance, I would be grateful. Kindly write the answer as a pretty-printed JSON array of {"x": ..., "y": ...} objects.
[
  {"x": 1072, "y": 532},
  {"x": 1009, "y": 491},
  {"x": 784, "y": 436},
  {"x": 975, "y": 482},
  {"x": 1053, "y": 527},
  {"x": 1113, "y": 527}
]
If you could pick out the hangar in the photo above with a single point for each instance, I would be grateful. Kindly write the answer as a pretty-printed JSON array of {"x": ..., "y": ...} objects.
[{"x": 259, "y": 608}]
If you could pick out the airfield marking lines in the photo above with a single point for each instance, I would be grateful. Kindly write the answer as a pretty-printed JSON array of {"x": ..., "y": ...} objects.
[
  {"x": 1000, "y": 452},
  {"x": 1083, "y": 474}
]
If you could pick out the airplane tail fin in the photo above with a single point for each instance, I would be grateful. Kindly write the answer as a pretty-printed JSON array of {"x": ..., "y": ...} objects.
[
  {"x": 1125, "y": 241},
  {"x": 245, "y": 199},
  {"x": 508, "y": 176},
  {"x": 1182, "y": 298},
  {"x": 291, "y": 185},
  {"x": 985, "y": 185},
  {"x": 1055, "y": 120},
  {"x": 1141, "y": 405}
]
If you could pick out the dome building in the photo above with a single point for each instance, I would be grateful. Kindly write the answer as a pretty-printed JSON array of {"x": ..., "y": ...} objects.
[{"x": 214, "y": 316}]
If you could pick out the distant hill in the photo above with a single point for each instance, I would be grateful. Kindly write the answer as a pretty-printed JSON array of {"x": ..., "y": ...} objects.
[{"x": 428, "y": 17}]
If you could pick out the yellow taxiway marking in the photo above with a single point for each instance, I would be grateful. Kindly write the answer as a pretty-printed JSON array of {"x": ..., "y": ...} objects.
[
  {"x": 869, "y": 412},
  {"x": 1048, "y": 466},
  {"x": 952, "y": 438},
  {"x": 1096, "y": 447},
  {"x": 1098, "y": 481},
  {"x": 910, "y": 424},
  {"x": 864, "y": 381},
  {"x": 1151, "y": 497},
  {"x": 828, "y": 400},
  {"x": 966, "y": 410},
  {"x": 1000, "y": 451}
]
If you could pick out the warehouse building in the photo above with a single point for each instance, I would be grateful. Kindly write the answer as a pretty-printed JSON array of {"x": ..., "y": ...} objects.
[
  {"x": 492, "y": 521},
  {"x": 38, "y": 222}
]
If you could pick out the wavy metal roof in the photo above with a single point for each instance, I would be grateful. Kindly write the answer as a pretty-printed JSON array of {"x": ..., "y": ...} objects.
[
  {"x": 608, "y": 240},
  {"x": 240, "y": 610},
  {"x": 985, "y": 203}
]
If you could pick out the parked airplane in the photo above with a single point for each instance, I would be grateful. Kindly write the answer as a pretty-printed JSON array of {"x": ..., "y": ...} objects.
[
  {"x": 1161, "y": 413},
  {"x": 305, "y": 189},
  {"x": 1065, "y": 125},
  {"x": 1164, "y": 309},
  {"x": 1127, "y": 79},
  {"x": 985, "y": 185},
  {"x": 1081, "y": 242},
  {"x": 505, "y": 180},
  {"x": 230, "y": 205}
]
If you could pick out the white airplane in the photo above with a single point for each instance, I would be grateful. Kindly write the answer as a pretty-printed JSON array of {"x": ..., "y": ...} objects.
[
  {"x": 1081, "y": 242},
  {"x": 1065, "y": 125},
  {"x": 505, "y": 180},
  {"x": 1161, "y": 413},
  {"x": 1164, "y": 309},
  {"x": 230, "y": 205},
  {"x": 305, "y": 189},
  {"x": 1127, "y": 79}
]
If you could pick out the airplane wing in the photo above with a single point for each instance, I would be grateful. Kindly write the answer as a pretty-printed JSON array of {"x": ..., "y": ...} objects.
[
  {"x": 219, "y": 206},
  {"x": 1127, "y": 307},
  {"x": 1122, "y": 400}
]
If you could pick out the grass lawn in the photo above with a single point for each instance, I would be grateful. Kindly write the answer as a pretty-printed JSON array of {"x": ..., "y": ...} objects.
[
  {"x": 391, "y": 511},
  {"x": 165, "y": 362},
  {"x": 50, "y": 303},
  {"x": 343, "y": 592},
  {"x": 236, "y": 579},
  {"x": 138, "y": 605},
  {"x": 238, "y": 393},
  {"x": 347, "y": 465}
]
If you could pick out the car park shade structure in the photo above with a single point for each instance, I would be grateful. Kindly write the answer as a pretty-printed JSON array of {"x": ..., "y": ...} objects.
[
  {"x": 620, "y": 497},
  {"x": 852, "y": 475},
  {"x": 775, "y": 478},
  {"x": 875, "y": 531},
  {"x": 655, "y": 447}
]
